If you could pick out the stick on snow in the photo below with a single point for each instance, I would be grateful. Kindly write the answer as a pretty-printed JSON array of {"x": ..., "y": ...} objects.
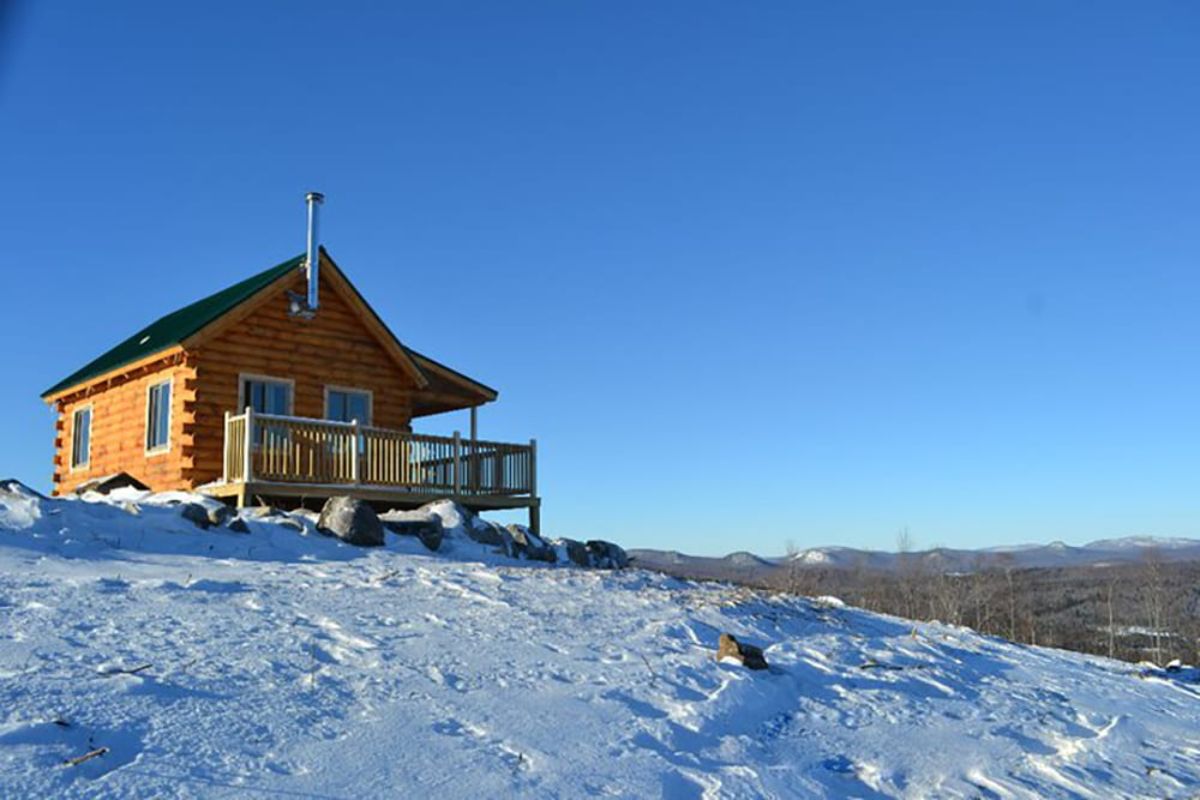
[
  {"x": 123, "y": 671},
  {"x": 75, "y": 762}
]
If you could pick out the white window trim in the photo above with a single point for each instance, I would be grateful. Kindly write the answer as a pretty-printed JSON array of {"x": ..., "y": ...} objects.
[
  {"x": 162, "y": 448},
  {"x": 251, "y": 376},
  {"x": 370, "y": 420},
  {"x": 73, "y": 467}
]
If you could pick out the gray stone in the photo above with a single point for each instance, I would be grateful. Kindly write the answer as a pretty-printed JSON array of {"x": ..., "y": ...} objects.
[
  {"x": 352, "y": 521},
  {"x": 293, "y": 523},
  {"x": 607, "y": 555},
  {"x": 238, "y": 525},
  {"x": 429, "y": 531},
  {"x": 485, "y": 532},
  {"x": 431, "y": 536},
  {"x": 524, "y": 544},
  {"x": 195, "y": 514},
  {"x": 577, "y": 552},
  {"x": 105, "y": 484},
  {"x": 219, "y": 515},
  {"x": 748, "y": 655},
  {"x": 14, "y": 486}
]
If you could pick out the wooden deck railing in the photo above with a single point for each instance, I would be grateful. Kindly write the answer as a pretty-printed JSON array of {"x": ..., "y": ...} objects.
[{"x": 270, "y": 448}]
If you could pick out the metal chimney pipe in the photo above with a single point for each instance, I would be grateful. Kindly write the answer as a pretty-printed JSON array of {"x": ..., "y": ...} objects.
[{"x": 313, "y": 255}]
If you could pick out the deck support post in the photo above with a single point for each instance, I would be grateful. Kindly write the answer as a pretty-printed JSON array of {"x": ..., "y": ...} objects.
[
  {"x": 533, "y": 468},
  {"x": 535, "y": 502},
  {"x": 473, "y": 480},
  {"x": 354, "y": 456},
  {"x": 535, "y": 517},
  {"x": 457, "y": 464}
]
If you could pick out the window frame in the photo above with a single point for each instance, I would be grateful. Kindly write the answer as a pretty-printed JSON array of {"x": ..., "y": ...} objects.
[
  {"x": 165, "y": 447},
  {"x": 370, "y": 420},
  {"x": 252, "y": 376},
  {"x": 87, "y": 461}
]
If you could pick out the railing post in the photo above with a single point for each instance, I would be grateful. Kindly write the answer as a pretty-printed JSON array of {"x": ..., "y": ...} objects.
[
  {"x": 248, "y": 461},
  {"x": 354, "y": 460},
  {"x": 457, "y": 459},
  {"x": 225, "y": 455},
  {"x": 533, "y": 467}
]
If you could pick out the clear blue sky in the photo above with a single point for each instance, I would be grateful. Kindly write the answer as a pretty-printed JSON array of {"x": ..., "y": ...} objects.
[{"x": 749, "y": 272}]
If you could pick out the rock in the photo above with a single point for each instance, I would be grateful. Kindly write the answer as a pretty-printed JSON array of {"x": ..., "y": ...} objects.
[
  {"x": 429, "y": 531},
  {"x": 352, "y": 521},
  {"x": 238, "y": 525},
  {"x": 431, "y": 537},
  {"x": 195, "y": 514},
  {"x": 748, "y": 655},
  {"x": 607, "y": 555},
  {"x": 219, "y": 515},
  {"x": 577, "y": 552},
  {"x": 485, "y": 532},
  {"x": 260, "y": 512},
  {"x": 14, "y": 486},
  {"x": 293, "y": 523},
  {"x": 410, "y": 527},
  {"x": 525, "y": 544},
  {"x": 107, "y": 483}
]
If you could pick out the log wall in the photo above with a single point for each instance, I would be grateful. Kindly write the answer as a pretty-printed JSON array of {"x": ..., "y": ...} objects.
[
  {"x": 118, "y": 440},
  {"x": 334, "y": 348}
]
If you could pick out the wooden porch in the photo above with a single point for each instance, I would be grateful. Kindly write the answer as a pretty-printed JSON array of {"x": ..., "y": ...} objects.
[{"x": 273, "y": 456}]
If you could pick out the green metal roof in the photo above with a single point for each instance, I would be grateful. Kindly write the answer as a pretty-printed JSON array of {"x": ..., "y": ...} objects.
[{"x": 176, "y": 326}]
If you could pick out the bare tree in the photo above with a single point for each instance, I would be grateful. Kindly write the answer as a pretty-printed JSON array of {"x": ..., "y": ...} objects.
[
  {"x": 1112, "y": 628},
  {"x": 908, "y": 570},
  {"x": 796, "y": 579},
  {"x": 1154, "y": 598}
]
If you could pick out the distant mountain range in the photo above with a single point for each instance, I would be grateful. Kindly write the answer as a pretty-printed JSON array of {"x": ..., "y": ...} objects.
[{"x": 743, "y": 566}]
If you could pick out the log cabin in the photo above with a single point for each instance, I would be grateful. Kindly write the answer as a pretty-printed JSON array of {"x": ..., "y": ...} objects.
[{"x": 284, "y": 388}]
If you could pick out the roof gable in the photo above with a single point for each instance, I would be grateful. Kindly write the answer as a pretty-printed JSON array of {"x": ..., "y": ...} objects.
[
  {"x": 172, "y": 329},
  {"x": 194, "y": 323}
]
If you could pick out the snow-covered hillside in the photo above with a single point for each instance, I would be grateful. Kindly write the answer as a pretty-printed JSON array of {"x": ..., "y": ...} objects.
[{"x": 280, "y": 663}]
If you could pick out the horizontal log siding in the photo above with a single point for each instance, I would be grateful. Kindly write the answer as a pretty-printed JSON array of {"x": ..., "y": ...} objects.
[
  {"x": 119, "y": 434},
  {"x": 333, "y": 348}
]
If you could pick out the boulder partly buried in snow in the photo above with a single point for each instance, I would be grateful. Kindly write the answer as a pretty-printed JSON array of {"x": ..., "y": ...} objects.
[
  {"x": 351, "y": 520},
  {"x": 523, "y": 543},
  {"x": 429, "y": 530},
  {"x": 106, "y": 484},
  {"x": 449, "y": 527},
  {"x": 196, "y": 514},
  {"x": 484, "y": 532},
  {"x": 748, "y": 655},
  {"x": 606, "y": 555},
  {"x": 219, "y": 515},
  {"x": 577, "y": 552}
]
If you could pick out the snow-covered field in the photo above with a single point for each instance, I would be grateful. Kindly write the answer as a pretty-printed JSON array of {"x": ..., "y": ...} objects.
[{"x": 285, "y": 664}]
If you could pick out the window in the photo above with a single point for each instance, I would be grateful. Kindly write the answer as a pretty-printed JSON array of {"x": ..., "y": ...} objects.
[
  {"x": 81, "y": 437},
  {"x": 348, "y": 405},
  {"x": 158, "y": 416},
  {"x": 266, "y": 396}
]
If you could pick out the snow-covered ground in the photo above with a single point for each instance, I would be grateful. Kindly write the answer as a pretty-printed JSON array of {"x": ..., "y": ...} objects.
[{"x": 285, "y": 664}]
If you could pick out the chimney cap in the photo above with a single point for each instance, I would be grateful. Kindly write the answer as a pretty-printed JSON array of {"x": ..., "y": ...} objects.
[{"x": 315, "y": 197}]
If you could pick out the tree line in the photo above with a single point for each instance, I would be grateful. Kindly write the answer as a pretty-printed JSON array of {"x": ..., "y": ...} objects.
[{"x": 1143, "y": 611}]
